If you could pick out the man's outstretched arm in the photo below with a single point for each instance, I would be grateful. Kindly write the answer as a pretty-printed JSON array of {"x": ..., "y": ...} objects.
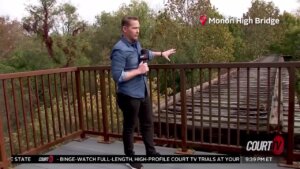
[
  {"x": 143, "y": 67},
  {"x": 166, "y": 54}
]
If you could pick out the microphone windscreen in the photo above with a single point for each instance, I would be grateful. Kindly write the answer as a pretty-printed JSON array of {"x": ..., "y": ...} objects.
[{"x": 143, "y": 51}]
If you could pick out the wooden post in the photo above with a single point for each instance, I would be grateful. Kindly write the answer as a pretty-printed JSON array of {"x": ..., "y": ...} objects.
[
  {"x": 291, "y": 111},
  {"x": 184, "y": 149},
  {"x": 3, "y": 157},
  {"x": 104, "y": 107},
  {"x": 79, "y": 102}
]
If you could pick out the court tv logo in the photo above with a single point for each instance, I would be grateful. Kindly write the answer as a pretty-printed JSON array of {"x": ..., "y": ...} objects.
[{"x": 276, "y": 146}]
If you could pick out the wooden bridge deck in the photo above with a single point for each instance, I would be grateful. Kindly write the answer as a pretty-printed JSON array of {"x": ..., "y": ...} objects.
[{"x": 228, "y": 105}]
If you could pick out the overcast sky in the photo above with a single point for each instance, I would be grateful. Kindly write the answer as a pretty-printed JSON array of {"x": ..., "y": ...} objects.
[{"x": 88, "y": 9}]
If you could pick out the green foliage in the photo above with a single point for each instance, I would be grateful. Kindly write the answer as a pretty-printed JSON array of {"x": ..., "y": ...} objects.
[
  {"x": 25, "y": 60},
  {"x": 258, "y": 38},
  {"x": 290, "y": 43},
  {"x": 107, "y": 30},
  {"x": 71, "y": 50},
  {"x": 105, "y": 33},
  {"x": 75, "y": 42},
  {"x": 194, "y": 43},
  {"x": 6, "y": 69},
  {"x": 239, "y": 44},
  {"x": 11, "y": 34},
  {"x": 60, "y": 31}
]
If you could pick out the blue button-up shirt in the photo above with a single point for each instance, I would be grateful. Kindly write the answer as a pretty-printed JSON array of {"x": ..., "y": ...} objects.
[{"x": 125, "y": 56}]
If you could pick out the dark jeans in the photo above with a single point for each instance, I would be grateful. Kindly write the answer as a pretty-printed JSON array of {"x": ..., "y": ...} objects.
[{"x": 132, "y": 109}]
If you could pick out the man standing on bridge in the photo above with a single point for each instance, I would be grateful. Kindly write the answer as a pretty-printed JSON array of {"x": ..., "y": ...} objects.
[{"x": 128, "y": 71}]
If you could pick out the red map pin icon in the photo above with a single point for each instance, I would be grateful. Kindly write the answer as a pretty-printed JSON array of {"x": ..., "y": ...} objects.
[{"x": 203, "y": 19}]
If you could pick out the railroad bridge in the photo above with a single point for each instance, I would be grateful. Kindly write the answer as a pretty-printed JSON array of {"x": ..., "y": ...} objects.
[
  {"x": 206, "y": 107},
  {"x": 233, "y": 101}
]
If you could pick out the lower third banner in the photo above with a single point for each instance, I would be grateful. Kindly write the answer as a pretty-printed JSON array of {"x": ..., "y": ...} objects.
[{"x": 125, "y": 159}]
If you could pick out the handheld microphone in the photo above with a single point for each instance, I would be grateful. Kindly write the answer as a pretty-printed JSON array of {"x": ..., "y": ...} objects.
[{"x": 144, "y": 55}]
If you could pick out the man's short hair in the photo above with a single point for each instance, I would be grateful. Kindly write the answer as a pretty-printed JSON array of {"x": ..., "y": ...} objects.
[{"x": 126, "y": 20}]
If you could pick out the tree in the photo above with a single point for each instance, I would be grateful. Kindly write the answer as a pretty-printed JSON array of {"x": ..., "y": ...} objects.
[
  {"x": 68, "y": 20},
  {"x": 259, "y": 37},
  {"x": 290, "y": 43},
  {"x": 188, "y": 11},
  {"x": 58, "y": 27},
  {"x": 106, "y": 32},
  {"x": 11, "y": 33},
  {"x": 194, "y": 42},
  {"x": 67, "y": 34},
  {"x": 239, "y": 45},
  {"x": 41, "y": 22},
  {"x": 107, "y": 29}
]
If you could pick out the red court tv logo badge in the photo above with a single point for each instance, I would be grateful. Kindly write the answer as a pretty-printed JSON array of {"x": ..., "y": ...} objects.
[
  {"x": 50, "y": 159},
  {"x": 203, "y": 19},
  {"x": 276, "y": 145}
]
